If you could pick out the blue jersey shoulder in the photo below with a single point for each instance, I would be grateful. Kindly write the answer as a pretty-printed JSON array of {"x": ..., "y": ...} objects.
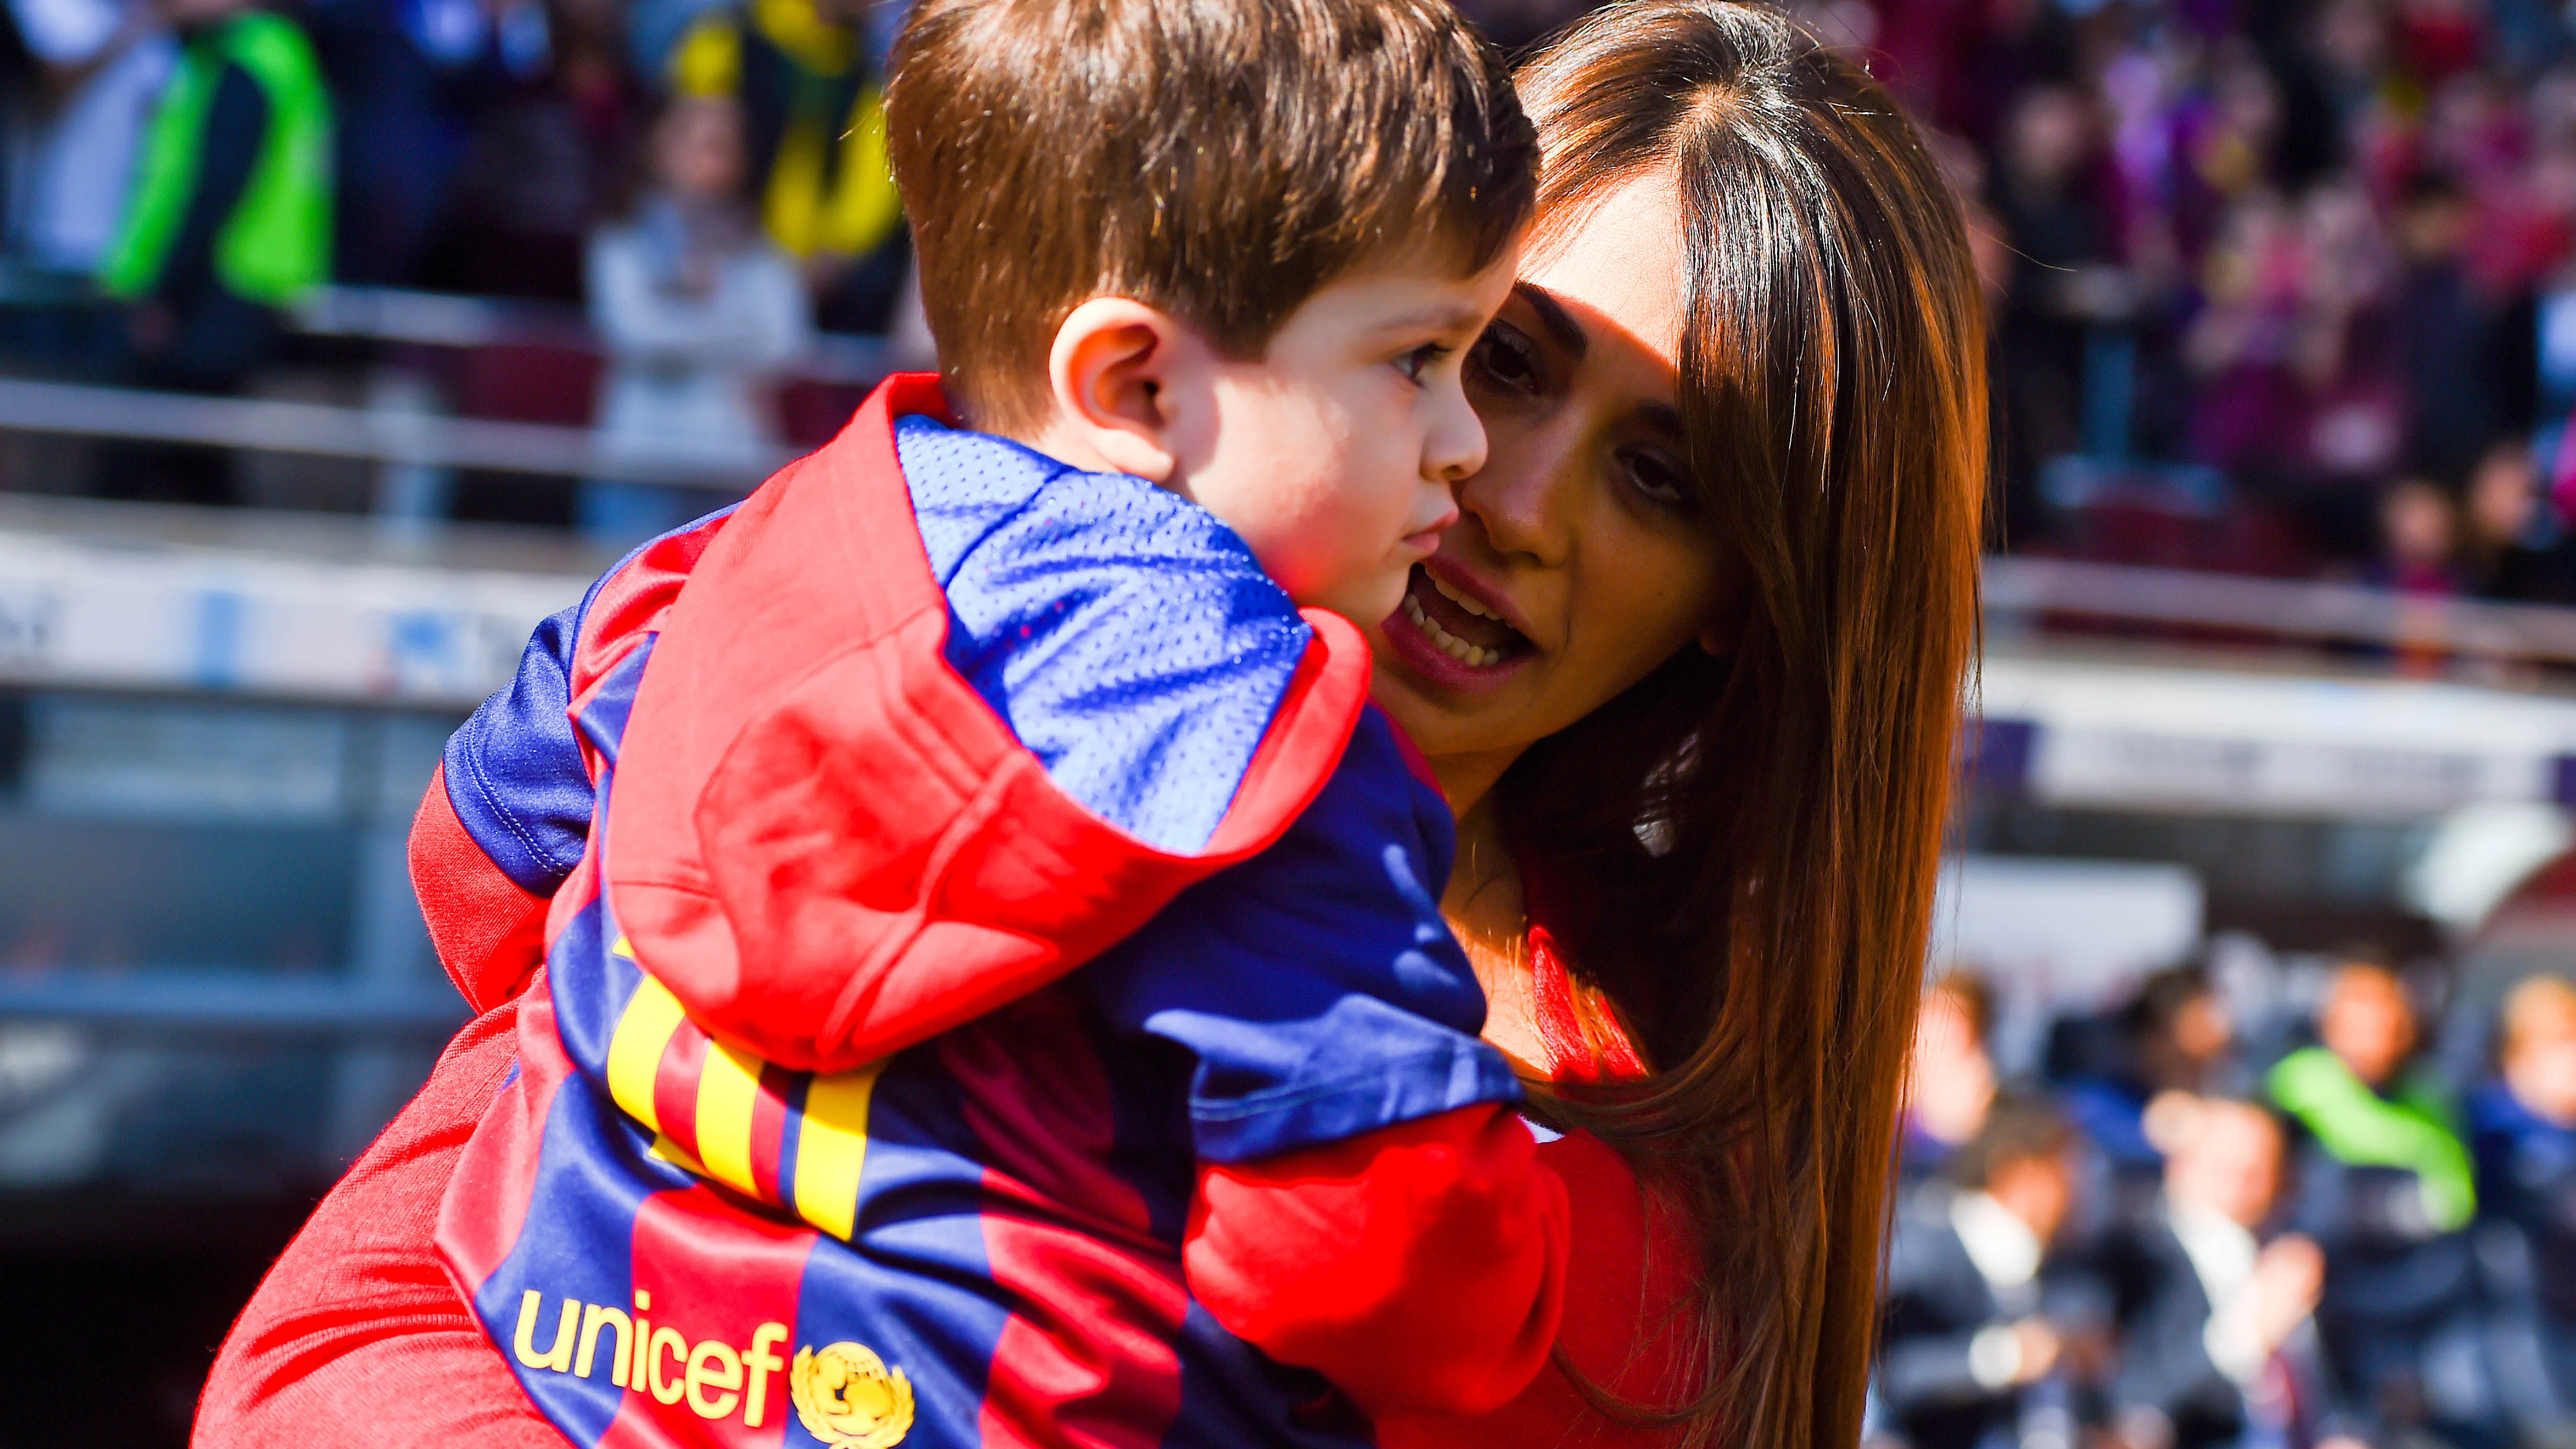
[
  {"x": 514, "y": 770},
  {"x": 1316, "y": 984},
  {"x": 1128, "y": 638}
]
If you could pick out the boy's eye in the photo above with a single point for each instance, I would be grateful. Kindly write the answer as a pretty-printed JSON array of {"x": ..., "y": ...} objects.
[
  {"x": 1502, "y": 359},
  {"x": 1421, "y": 360}
]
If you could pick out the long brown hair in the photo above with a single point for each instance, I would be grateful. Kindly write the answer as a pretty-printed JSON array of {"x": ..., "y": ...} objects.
[{"x": 1757, "y": 834}]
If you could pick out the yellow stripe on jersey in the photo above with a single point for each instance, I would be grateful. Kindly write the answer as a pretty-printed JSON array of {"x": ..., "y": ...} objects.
[
  {"x": 676, "y": 1155},
  {"x": 728, "y": 1083},
  {"x": 635, "y": 1050},
  {"x": 832, "y": 1146}
]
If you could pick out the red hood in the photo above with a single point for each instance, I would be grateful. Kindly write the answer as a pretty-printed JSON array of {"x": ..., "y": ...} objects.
[{"x": 823, "y": 841}]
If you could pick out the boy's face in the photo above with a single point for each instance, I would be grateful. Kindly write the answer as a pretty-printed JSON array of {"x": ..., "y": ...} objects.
[{"x": 1335, "y": 453}]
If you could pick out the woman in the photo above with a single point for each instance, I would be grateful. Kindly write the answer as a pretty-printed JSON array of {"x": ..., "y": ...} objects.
[
  {"x": 1725, "y": 557},
  {"x": 695, "y": 306}
]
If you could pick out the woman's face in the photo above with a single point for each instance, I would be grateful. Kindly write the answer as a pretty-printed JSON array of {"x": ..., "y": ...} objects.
[{"x": 1579, "y": 562}]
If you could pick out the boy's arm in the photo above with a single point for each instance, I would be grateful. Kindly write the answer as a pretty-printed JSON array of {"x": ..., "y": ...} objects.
[
  {"x": 489, "y": 930},
  {"x": 504, "y": 820},
  {"x": 1420, "y": 1268},
  {"x": 507, "y": 813}
]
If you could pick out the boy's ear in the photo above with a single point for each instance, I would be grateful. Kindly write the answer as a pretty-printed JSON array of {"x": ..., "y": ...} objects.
[{"x": 1111, "y": 373}]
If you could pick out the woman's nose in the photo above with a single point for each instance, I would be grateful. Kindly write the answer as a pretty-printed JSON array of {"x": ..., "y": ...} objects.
[{"x": 1518, "y": 496}]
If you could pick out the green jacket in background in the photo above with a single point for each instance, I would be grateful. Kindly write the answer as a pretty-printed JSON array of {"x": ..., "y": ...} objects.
[
  {"x": 277, "y": 240},
  {"x": 2360, "y": 1127}
]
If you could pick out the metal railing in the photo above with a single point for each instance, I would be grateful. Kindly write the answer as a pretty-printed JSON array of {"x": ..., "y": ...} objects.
[
  {"x": 2028, "y": 591},
  {"x": 2020, "y": 592},
  {"x": 383, "y": 435}
]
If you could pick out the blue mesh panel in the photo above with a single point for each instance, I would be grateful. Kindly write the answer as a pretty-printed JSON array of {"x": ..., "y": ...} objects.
[{"x": 1125, "y": 634}]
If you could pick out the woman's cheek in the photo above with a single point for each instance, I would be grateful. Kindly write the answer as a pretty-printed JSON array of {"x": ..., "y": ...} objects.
[{"x": 1654, "y": 607}]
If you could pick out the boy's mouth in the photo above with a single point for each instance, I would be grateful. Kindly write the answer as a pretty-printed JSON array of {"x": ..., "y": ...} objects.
[{"x": 1458, "y": 625}]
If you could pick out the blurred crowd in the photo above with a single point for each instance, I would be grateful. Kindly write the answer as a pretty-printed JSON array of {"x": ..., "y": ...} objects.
[
  {"x": 706, "y": 177},
  {"x": 2275, "y": 281},
  {"x": 2193, "y": 1224}
]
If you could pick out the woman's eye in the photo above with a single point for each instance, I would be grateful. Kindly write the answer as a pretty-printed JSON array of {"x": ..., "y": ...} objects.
[
  {"x": 1657, "y": 479},
  {"x": 1502, "y": 359},
  {"x": 1421, "y": 360}
]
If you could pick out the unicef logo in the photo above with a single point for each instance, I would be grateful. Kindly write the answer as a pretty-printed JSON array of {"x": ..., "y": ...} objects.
[{"x": 847, "y": 1397}]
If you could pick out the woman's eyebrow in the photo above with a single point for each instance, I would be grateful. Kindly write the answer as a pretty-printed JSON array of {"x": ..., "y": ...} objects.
[
  {"x": 1440, "y": 319},
  {"x": 1560, "y": 323}
]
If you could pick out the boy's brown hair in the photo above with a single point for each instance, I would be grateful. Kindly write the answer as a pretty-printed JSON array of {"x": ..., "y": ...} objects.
[{"x": 1221, "y": 160}]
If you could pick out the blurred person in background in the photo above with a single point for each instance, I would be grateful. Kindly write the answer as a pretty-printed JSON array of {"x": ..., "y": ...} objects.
[
  {"x": 808, "y": 74},
  {"x": 546, "y": 114},
  {"x": 2458, "y": 401},
  {"x": 1976, "y": 1314},
  {"x": 2385, "y": 1187},
  {"x": 229, "y": 220},
  {"x": 98, "y": 68},
  {"x": 417, "y": 85},
  {"x": 1949, "y": 1075},
  {"x": 695, "y": 308},
  {"x": 2172, "y": 1035},
  {"x": 2220, "y": 1330},
  {"x": 2515, "y": 548},
  {"x": 2419, "y": 529},
  {"x": 2523, "y": 1128},
  {"x": 2044, "y": 192}
]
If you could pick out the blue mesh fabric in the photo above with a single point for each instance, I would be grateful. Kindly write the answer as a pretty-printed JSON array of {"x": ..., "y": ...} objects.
[{"x": 1126, "y": 635}]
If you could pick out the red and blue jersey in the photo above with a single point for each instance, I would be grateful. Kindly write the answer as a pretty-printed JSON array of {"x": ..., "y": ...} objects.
[{"x": 994, "y": 991}]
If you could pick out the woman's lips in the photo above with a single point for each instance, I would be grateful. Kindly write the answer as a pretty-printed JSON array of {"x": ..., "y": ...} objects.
[{"x": 1451, "y": 637}]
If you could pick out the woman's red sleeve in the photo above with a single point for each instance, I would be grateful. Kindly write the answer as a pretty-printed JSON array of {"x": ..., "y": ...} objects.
[
  {"x": 490, "y": 933},
  {"x": 357, "y": 1336},
  {"x": 1630, "y": 1326},
  {"x": 1419, "y": 1268}
]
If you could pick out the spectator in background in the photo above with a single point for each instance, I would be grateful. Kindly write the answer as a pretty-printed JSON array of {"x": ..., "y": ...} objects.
[
  {"x": 2445, "y": 330},
  {"x": 2524, "y": 1130},
  {"x": 411, "y": 81},
  {"x": 807, "y": 77},
  {"x": 695, "y": 306},
  {"x": 2043, "y": 192},
  {"x": 1977, "y": 1335},
  {"x": 1950, "y": 1077},
  {"x": 99, "y": 68},
  {"x": 2419, "y": 540},
  {"x": 230, "y": 217},
  {"x": 2516, "y": 548},
  {"x": 2221, "y": 1330},
  {"x": 2170, "y": 1037},
  {"x": 553, "y": 118},
  {"x": 2385, "y": 1187}
]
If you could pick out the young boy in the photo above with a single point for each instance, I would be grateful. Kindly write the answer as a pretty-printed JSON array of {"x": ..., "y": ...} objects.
[{"x": 1003, "y": 998}]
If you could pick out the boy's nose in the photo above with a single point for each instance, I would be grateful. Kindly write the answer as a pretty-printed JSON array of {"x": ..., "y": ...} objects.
[{"x": 1455, "y": 446}]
